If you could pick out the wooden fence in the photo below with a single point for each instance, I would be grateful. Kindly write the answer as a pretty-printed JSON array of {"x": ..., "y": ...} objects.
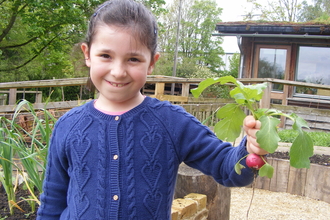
[{"x": 201, "y": 108}]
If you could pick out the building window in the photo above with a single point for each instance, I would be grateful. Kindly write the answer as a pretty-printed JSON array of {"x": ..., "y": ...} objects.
[
  {"x": 313, "y": 67},
  {"x": 272, "y": 61}
]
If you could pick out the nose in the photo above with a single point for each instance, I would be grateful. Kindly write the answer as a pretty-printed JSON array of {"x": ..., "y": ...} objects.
[{"x": 118, "y": 69}]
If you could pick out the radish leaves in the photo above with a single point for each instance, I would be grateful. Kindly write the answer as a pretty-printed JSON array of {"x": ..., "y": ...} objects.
[{"x": 232, "y": 116}]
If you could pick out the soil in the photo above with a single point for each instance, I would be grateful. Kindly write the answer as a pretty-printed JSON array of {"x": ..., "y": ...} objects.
[
  {"x": 18, "y": 214},
  {"x": 320, "y": 159},
  {"x": 27, "y": 214}
]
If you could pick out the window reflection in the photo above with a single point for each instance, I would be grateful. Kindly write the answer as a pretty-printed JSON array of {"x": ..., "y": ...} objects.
[
  {"x": 272, "y": 65},
  {"x": 313, "y": 67}
]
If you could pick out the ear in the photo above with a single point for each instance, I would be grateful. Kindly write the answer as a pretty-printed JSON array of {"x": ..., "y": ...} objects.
[
  {"x": 152, "y": 63},
  {"x": 85, "y": 50}
]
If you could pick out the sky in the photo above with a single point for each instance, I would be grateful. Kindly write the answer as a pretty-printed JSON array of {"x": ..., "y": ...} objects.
[{"x": 232, "y": 10}]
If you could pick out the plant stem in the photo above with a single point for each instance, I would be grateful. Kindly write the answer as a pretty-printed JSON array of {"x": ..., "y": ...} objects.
[{"x": 253, "y": 187}]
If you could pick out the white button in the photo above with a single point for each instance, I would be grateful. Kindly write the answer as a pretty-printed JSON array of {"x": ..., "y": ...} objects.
[
  {"x": 115, "y": 197},
  {"x": 117, "y": 118},
  {"x": 115, "y": 157}
]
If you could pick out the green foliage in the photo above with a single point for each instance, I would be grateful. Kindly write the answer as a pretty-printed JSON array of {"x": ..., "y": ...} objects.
[
  {"x": 30, "y": 145},
  {"x": 268, "y": 136},
  {"x": 318, "y": 11},
  {"x": 319, "y": 138},
  {"x": 276, "y": 10},
  {"x": 37, "y": 37},
  {"x": 234, "y": 63},
  {"x": 196, "y": 46},
  {"x": 229, "y": 128},
  {"x": 247, "y": 96}
]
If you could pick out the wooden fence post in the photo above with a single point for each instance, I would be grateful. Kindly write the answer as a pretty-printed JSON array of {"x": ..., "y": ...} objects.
[
  {"x": 12, "y": 96},
  {"x": 159, "y": 89},
  {"x": 190, "y": 180},
  {"x": 3, "y": 99},
  {"x": 265, "y": 101},
  {"x": 38, "y": 96},
  {"x": 185, "y": 89}
]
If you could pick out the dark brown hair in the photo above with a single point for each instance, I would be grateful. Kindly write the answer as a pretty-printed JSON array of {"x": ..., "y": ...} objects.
[{"x": 129, "y": 15}]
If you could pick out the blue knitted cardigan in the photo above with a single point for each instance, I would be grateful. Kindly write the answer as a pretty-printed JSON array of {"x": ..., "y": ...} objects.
[{"x": 124, "y": 167}]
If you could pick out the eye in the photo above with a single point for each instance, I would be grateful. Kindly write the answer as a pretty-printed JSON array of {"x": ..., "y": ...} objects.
[
  {"x": 106, "y": 56},
  {"x": 133, "y": 59}
]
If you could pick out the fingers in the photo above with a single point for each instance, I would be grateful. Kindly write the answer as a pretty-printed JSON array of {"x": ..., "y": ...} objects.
[
  {"x": 253, "y": 147},
  {"x": 251, "y": 127}
]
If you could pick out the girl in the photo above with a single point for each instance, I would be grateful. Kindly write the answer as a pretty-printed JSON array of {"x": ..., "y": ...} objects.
[{"x": 117, "y": 157}]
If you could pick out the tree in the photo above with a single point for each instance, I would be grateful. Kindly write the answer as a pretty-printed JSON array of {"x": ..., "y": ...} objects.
[
  {"x": 234, "y": 63},
  {"x": 34, "y": 33},
  {"x": 37, "y": 37},
  {"x": 277, "y": 10},
  {"x": 319, "y": 10},
  {"x": 196, "y": 46}
]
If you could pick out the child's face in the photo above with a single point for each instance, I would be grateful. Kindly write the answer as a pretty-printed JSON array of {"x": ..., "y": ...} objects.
[{"x": 119, "y": 66}]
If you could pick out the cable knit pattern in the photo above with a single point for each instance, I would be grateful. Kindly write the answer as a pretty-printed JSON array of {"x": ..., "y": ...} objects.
[
  {"x": 130, "y": 171},
  {"x": 124, "y": 167},
  {"x": 101, "y": 184},
  {"x": 152, "y": 169},
  {"x": 81, "y": 171}
]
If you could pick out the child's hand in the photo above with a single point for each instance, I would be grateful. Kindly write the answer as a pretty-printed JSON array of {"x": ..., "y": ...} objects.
[{"x": 251, "y": 126}]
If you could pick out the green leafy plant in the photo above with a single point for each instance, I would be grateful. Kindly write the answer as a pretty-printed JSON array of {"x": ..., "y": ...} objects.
[
  {"x": 232, "y": 116},
  {"x": 6, "y": 162},
  {"x": 27, "y": 142}
]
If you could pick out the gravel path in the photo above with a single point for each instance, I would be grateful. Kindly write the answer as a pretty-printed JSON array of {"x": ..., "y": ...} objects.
[{"x": 267, "y": 205}]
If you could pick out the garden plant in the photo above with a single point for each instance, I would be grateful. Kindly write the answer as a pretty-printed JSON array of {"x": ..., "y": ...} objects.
[
  {"x": 231, "y": 120},
  {"x": 23, "y": 153}
]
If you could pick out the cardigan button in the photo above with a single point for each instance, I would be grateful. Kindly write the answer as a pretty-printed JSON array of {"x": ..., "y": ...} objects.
[
  {"x": 115, "y": 157},
  {"x": 115, "y": 197},
  {"x": 117, "y": 118}
]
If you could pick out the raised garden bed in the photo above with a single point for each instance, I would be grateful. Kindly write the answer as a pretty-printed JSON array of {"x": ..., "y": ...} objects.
[{"x": 313, "y": 182}]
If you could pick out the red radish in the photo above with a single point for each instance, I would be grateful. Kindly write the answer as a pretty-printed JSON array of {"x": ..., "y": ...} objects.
[{"x": 255, "y": 161}]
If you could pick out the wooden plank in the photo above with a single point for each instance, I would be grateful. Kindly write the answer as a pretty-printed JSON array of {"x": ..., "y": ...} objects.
[
  {"x": 318, "y": 183},
  {"x": 150, "y": 79},
  {"x": 159, "y": 89},
  {"x": 301, "y": 110},
  {"x": 265, "y": 101},
  {"x": 12, "y": 96},
  {"x": 312, "y": 125},
  {"x": 279, "y": 182},
  {"x": 297, "y": 181},
  {"x": 171, "y": 98},
  {"x": 185, "y": 89}
]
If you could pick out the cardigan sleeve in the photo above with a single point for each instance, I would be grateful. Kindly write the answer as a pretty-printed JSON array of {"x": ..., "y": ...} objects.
[
  {"x": 54, "y": 196},
  {"x": 198, "y": 147}
]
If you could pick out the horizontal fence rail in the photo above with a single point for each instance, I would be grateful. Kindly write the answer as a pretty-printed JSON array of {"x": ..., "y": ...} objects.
[{"x": 202, "y": 108}]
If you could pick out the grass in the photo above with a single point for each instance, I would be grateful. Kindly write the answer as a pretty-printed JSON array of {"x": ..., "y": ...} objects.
[{"x": 319, "y": 138}]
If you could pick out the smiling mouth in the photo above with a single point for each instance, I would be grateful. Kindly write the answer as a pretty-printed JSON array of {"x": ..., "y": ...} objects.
[{"x": 118, "y": 84}]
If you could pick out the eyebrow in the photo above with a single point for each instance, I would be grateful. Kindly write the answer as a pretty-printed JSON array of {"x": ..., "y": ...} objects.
[{"x": 111, "y": 51}]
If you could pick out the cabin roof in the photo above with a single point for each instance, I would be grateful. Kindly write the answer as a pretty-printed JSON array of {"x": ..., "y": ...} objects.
[{"x": 255, "y": 29}]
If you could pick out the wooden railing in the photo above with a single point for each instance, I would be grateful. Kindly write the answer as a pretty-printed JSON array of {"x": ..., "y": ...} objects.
[
  {"x": 11, "y": 89},
  {"x": 202, "y": 108}
]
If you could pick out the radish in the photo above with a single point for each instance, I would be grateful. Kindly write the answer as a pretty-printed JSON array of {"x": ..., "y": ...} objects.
[{"x": 255, "y": 161}]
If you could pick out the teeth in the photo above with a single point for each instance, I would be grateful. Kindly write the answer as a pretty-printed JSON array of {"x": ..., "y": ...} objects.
[{"x": 117, "y": 85}]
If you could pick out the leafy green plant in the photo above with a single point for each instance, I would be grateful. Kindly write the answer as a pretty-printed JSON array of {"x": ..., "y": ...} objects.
[
  {"x": 232, "y": 116},
  {"x": 28, "y": 141},
  {"x": 6, "y": 162},
  {"x": 320, "y": 138}
]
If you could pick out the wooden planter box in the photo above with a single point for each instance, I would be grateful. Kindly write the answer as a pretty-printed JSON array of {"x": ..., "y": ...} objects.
[{"x": 313, "y": 182}]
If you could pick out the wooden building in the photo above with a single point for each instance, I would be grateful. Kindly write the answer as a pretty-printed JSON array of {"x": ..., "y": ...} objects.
[{"x": 288, "y": 51}]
